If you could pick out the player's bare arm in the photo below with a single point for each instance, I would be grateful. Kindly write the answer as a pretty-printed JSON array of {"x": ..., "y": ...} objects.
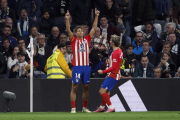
[
  {"x": 95, "y": 23},
  {"x": 67, "y": 17}
]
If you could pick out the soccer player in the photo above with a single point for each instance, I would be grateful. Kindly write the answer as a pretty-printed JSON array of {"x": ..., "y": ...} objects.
[
  {"x": 81, "y": 69},
  {"x": 114, "y": 74}
]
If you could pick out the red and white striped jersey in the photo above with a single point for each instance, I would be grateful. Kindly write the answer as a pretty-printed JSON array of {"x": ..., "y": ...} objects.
[
  {"x": 80, "y": 50},
  {"x": 115, "y": 61}
]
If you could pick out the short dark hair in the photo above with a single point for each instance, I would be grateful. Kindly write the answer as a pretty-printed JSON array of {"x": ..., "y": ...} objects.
[
  {"x": 144, "y": 56},
  {"x": 165, "y": 53},
  {"x": 32, "y": 27},
  {"x": 158, "y": 67},
  {"x": 149, "y": 23},
  {"x": 146, "y": 41},
  {"x": 171, "y": 33},
  {"x": 103, "y": 16},
  {"x": 19, "y": 39},
  {"x": 85, "y": 23},
  {"x": 6, "y": 26},
  {"x": 78, "y": 27},
  {"x": 68, "y": 43},
  {"x": 22, "y": 9},
  {"x": 21, "y": 53},
  {"x": 61, "y": 45},
  {"x": 129, "y": 45},
  {"x": 4, "y": 39},
  {"x": 166, "y": 43}
]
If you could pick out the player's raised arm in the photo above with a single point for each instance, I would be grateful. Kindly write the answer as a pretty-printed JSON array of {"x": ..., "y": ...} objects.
[
  {"x": 67, "y": 17},
  {"x": 95, "y": 23}
]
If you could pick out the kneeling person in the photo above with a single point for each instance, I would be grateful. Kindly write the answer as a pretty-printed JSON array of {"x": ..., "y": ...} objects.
[{"x": 56, "y": 66}]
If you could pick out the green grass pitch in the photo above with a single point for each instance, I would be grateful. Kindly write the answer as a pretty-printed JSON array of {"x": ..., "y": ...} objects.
[{"x": 91, "y": 116}]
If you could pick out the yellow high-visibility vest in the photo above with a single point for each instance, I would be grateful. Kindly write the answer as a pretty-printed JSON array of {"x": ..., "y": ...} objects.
[{"x": 53, "y": 68}]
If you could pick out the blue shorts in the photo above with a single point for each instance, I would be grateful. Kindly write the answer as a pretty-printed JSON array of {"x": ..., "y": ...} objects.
[
  {"x": 109, "y": 83},
  {"x": 81, "y": 72}
]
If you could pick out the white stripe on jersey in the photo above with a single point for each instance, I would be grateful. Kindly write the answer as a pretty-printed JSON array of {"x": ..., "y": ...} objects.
[
  {"x": 76, "y": 52},
  {"x": 84, "y": 52},
  {"x": 80, "y": 53},
  {"x": 117, "y": 76},
  {"x": 87, "y": 54}
]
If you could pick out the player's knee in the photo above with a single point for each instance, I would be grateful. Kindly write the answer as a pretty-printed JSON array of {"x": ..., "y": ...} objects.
[
  {"x": 74, "y": 88},
  {"x": 86, "y": 87}
]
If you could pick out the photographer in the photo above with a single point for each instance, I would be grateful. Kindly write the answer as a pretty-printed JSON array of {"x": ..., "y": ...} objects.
[
  {"x": 151, "y": 33},
  {"x": 165, "y": 63},
  {"x": 144, "y": 69}
]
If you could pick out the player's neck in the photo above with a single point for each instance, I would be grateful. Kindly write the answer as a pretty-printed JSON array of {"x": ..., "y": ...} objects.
[
  {"x": 115, "y": 48},
  {"x": 79, "y": 38}
]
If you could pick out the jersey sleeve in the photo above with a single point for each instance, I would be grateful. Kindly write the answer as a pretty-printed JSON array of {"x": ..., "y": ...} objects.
[
  {"x": 73, "y": 39},
  {"x": 88, "y": 38},
  {"x": 115, "y": 58}
]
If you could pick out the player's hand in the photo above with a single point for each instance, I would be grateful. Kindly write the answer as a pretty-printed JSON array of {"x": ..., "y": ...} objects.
[
  {"x": 67, "y": 15},
  {"x": 96, "y": 12},
  {"x": 100, "y": 72}
]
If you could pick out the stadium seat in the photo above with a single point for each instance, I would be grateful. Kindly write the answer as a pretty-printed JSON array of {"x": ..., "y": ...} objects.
[{"x": 43, "y": 76}]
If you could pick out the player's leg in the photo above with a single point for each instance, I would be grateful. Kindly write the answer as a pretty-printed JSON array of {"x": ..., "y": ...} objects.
[
  {"x": 85, "y": 80},
  {"x": 76, "y": 75}
]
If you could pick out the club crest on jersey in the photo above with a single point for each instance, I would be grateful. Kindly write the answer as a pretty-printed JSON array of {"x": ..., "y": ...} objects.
[{"x": 82, "y": 46}]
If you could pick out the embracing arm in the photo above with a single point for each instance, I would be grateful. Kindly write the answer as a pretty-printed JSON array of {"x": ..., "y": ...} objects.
[{"x": 94, "y": 27}]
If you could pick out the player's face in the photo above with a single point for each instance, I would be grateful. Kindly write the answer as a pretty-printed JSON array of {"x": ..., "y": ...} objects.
[
  {"x": 63, "y": 49},
  {"x": 79, "y": 33},
  {"x": 111, "y": 42}
]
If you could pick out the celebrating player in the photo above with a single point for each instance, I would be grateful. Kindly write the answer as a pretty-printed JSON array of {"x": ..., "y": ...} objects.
[
  {"x": 81, "y": 69},
  {"x": 113, "y": 74}
]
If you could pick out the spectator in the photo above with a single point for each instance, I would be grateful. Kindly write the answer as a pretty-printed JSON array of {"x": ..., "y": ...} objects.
[
  {"x": 108, "y": 29},
  {"x": 173, "y": 15},
  {"x": 32, "y": 7},
  {"x": 39, "y": 62},
  {"x": 62, "y": 7},
  {"x": 146, "y": 51},
  {"x": 69, "y": 54},
  {"x": 170, "y": 28},
  {"x": 80, "y": 11},
  {"x": 14, "y": 31},
  {"x": 125, "y": 63},
  {"x": 53, "y": 40},
  {"x": 12, "y": 60},
  {"x": 129, "y": 52},
  {"x": 109, "y": 10},
  {"x": 167, "y": 48},
  {"x": 6, "y": 12},
  {"x": 46, "y": 23},
  {"x": 42, "y": 48},
  {"x": 124, "y": 5},
  {"x": 177, "y": 75},
  {"x": 24, "y": 23},
  {"x": 152, "y": 32},
  {"x": 51, "y": 6},
  {"x": 164, "y": 63},
  {"x": 157, "y": 72},
  {"x": 100, "y": 44},
  {"x": 6, "y": 51},
  {"x": 122, "y": 25},
  {"x": 21, "y": 42},
  {"x": 85, "y": 28},
  {"x": 2, "y": 64},
  {"x": 33, "y": 35},
  {"x": 17, "y": 69},
  {"x": 174, "y": 43},
  {"x": 142, "y": 11},
  {"x": 144, "y": 69},
  {"x": 7, "y": 34},
  {"x": 138, "y": 43},
  {"x": 62, "y": 27}
]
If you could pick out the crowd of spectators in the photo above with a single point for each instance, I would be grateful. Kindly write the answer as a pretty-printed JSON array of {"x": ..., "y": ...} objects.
[{"x": 150, "y": 40}]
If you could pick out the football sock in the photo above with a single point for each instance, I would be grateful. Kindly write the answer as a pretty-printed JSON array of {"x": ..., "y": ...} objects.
[
  {"x": 106, "y": 98},
  {"x": 85, "y": 104},
  {"x": 111, "y": 107},
  {"x": 101, "y": 106},
  {"x": 72, "y": 104},
  {"x": 103, "y": 103}
]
